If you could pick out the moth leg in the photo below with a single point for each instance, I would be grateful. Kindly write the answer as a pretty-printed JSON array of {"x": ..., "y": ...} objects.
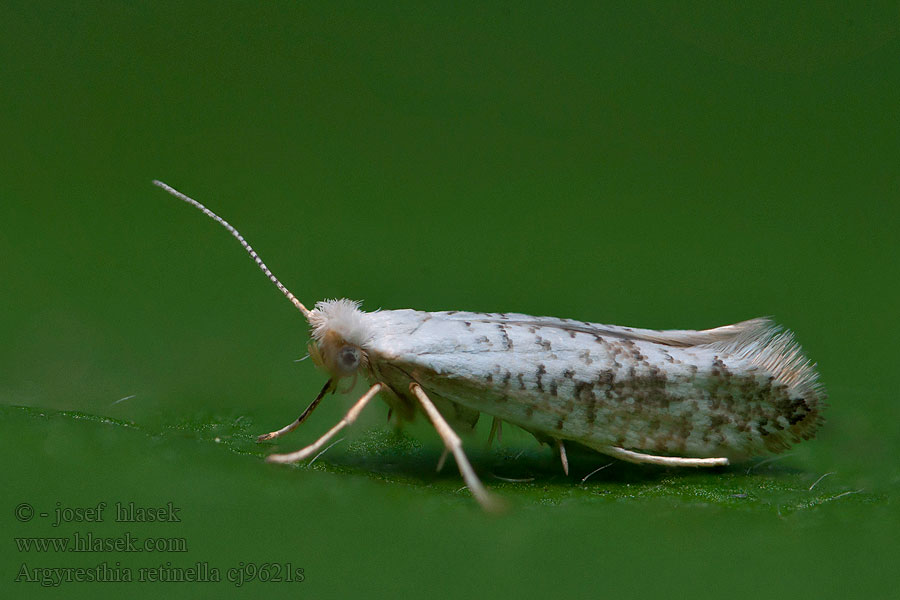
[
  {"x": 496, "y": 429},
  {"x": 441, "y": 460},
  {"x": 561, "y": 446},
  {"x": 454, "y": 445},
  {"x": 666, "y": 461},
  {"x": 351, "y": 416},
  {"x": 289, "y": 428}
]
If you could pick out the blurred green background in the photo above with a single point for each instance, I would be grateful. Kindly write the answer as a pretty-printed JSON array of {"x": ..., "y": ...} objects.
[{"x": 666, "y": 166}]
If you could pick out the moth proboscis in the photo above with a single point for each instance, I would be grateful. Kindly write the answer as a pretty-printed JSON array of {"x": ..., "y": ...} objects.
[{"x": 678, "y": 398}]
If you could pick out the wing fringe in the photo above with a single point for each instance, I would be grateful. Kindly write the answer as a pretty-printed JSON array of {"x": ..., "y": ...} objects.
[{"x": 774, "y": 349}]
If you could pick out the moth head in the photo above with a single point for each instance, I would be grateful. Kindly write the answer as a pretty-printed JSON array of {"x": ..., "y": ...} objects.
[
  {"x": 337, "y": 356},
  {"x": 340, "y": 336}
]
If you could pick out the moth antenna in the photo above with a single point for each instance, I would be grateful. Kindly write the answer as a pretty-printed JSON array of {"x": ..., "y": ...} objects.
[{"x": 262, "y": 266}]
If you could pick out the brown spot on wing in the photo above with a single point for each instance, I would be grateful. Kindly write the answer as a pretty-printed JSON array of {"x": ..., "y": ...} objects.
[
  {"x": 544, "y": 344},
  {"x": 506, "y": 340}
]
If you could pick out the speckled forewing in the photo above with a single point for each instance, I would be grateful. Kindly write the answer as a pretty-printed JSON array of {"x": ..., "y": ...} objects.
[{"x": 599, "y": 385}]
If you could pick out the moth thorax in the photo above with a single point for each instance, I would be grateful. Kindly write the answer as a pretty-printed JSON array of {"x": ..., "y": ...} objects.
[{"x": 335, "y": 355}]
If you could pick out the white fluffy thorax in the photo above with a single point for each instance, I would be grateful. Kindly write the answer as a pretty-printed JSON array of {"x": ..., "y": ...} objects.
[{"x": 342, "y": 318}]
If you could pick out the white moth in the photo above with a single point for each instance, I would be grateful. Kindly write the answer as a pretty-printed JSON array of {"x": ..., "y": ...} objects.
[{"x": 674, "y": 398}]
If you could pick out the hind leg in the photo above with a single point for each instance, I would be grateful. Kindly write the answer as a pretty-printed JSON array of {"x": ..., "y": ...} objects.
[{"x": 666, "y": 461}]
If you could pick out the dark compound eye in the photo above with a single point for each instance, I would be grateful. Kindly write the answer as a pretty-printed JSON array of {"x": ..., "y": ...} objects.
[{"x": 348, "y": 357}]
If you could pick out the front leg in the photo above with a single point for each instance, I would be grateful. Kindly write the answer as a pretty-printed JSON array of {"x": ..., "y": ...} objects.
[
  {"x": 349, "y": 418},
  {"x": 289, "y": 428}
]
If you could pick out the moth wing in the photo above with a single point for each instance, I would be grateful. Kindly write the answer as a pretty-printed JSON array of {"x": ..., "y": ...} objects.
[
  {"x": 670, "y": 337},
  {"x": 399, "y": 342}
]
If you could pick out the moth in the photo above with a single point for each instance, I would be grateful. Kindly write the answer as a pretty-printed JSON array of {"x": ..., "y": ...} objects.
[{"x": 677, "y": 398}]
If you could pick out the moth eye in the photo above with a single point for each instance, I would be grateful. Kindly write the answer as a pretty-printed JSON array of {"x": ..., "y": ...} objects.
[{"x": 348, "y": 358}]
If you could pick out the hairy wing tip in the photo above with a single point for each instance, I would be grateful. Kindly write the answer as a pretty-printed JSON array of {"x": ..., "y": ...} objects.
[{"x": 774, "y": 348}]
